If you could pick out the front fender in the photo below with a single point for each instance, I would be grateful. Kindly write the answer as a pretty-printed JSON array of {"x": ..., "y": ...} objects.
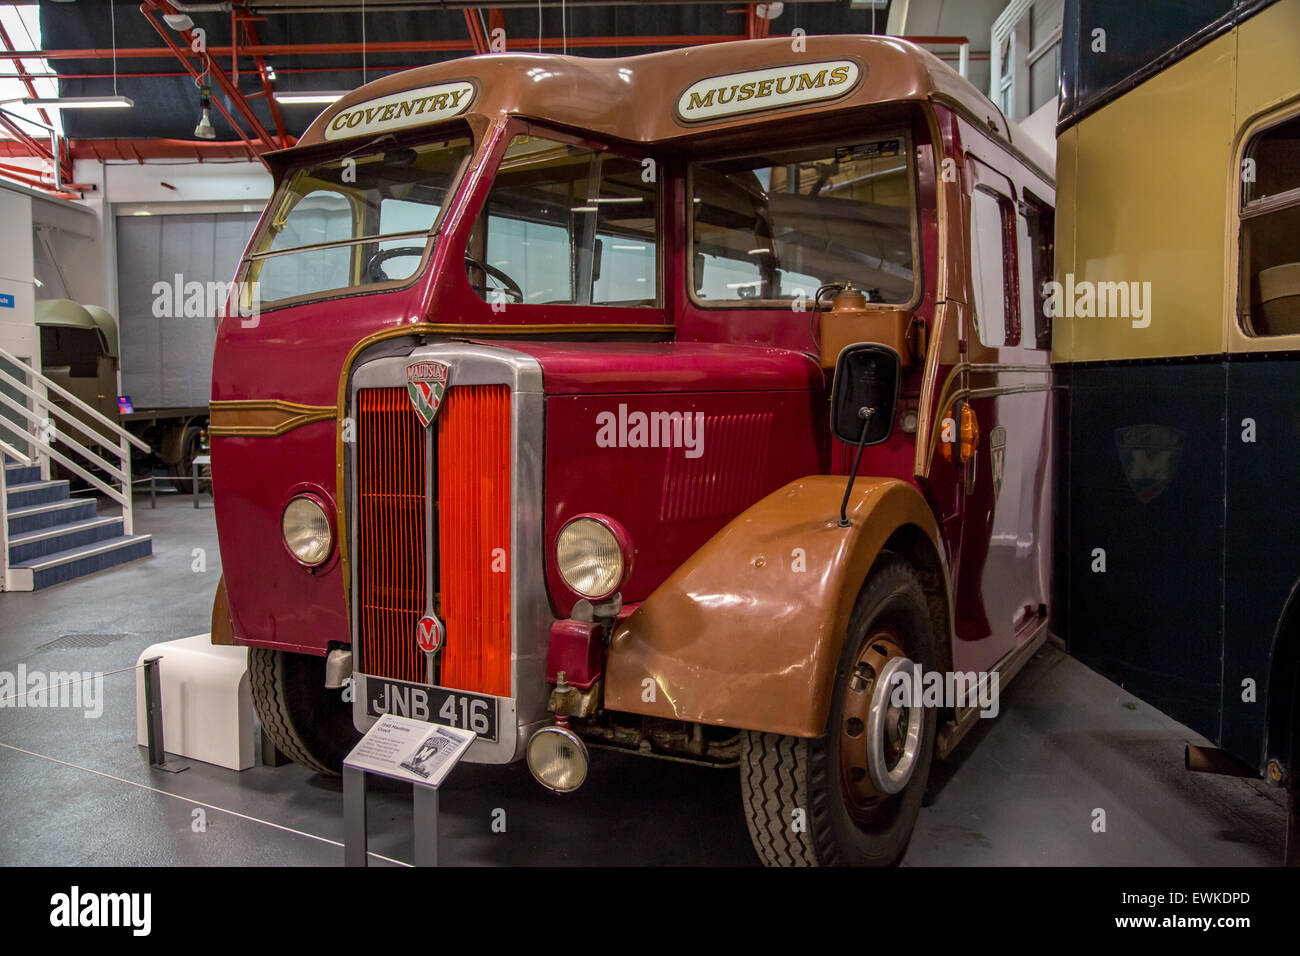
[{"x": 747, "y": 633}]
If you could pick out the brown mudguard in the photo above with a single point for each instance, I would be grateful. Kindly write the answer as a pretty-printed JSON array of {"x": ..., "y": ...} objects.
[
  {"x": 748, "y": 632},
  {"x": 223, "y": 632}
]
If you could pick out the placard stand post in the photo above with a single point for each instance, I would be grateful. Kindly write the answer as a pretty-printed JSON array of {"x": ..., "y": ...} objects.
[
  {"x": 414, "y": 751},
  {"x": 355, "y": 841}
]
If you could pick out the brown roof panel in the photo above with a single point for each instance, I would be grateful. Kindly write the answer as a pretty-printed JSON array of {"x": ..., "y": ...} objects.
[{"x": 636, "y": 98}]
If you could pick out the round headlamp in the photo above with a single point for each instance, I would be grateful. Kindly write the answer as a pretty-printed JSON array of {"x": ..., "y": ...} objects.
[
  {"x": 307, "y": 532},
  {"x": 558, "y": 759},
  {"x": 594, "y": 556}
]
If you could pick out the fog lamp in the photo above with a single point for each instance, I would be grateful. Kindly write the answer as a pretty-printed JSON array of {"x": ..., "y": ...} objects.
[
  {"x": 594, "y": 556},
  {"x": 307, "y": 532},
  {"x": 558, "y": 759}
]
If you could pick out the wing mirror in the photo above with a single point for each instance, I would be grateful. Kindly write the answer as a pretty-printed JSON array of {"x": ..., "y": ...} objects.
[{"x": 864, "y": 398}]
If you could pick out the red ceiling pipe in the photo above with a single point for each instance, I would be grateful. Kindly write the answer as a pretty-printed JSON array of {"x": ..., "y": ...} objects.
[
  {"x": 389, "y": 46},
  {"x": 476, "y": 35},
  {"x": 218, "y": 75},
  {"x": 267, "y": 143},
  {"x": 285, "y": 139}
]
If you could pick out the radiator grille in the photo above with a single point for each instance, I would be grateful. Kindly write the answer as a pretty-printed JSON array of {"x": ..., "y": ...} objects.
[
  {"x": 474, "y": 537},
  {"x": 472, "y": 495},
  {"x": 390, "y": 556}
]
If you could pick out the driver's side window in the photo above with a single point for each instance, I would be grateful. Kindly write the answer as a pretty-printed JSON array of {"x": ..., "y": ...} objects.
[{"x": 566, "y": 225}]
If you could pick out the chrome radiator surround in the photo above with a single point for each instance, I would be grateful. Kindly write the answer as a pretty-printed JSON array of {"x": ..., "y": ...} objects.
[{"x": 530, "y": 613}]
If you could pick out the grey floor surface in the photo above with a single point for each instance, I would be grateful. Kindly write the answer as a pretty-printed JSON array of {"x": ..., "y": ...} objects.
[{"x": 1024, "y": 788}]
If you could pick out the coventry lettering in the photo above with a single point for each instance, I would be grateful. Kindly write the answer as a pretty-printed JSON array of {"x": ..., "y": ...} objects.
[{"x": 401, "y": 110}]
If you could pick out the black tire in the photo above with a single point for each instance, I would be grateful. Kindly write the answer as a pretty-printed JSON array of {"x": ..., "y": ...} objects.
[
  {"x": 780, "y": 775},
  {"x": 182, "y": 472},
  {"x": 309, "y": 724}
]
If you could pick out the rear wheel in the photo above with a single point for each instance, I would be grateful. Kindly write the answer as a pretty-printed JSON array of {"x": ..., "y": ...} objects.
[
  {"x": 191, "y": 446},
  {"x": 309, "y": 724},
  {"x": 851, "y": 797}
]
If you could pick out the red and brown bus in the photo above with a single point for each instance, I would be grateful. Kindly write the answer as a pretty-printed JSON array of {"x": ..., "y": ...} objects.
[{"x": 675, "y": 404}]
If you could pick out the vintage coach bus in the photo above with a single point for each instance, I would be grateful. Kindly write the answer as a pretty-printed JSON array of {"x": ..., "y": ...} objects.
[
  {"x": 1177, "y": 569},
  {"x": 545, "y": 423}
]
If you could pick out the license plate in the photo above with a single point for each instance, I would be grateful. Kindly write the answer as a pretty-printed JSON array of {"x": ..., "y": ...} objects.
[{"x": 438, "y": 705}]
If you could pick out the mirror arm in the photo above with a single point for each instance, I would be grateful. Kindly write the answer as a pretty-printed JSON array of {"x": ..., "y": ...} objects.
[{"x": 865, "y": 414}]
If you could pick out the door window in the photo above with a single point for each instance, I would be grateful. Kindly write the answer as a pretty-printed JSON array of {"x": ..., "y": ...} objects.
[
  {"x": 990, "y": 253},
  {"x": 1034, "y": 238},
  {"x": 566, "y": 225}
]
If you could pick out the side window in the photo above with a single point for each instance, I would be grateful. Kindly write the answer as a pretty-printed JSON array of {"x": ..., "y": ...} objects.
[
  {"x": 770, "y": 228},
  {"x": 989, "y": 255},
  {"x": 1034, "y": 237},
  {"x": 1269, "y": 282},
  {"x": 566, "y": 225}
]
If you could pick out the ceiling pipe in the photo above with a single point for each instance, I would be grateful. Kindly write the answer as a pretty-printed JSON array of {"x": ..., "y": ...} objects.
[{"x": 263, "y": 7}]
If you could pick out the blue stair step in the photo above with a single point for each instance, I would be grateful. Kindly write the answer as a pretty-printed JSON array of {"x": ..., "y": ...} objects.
[
  {"x": 21, "y": 474},
  {"x": 53, "y": 513},
  {"x": 36, "y": 493},
  {"x": 64, "y": 537},
  {"x": 63, "y": 566}
]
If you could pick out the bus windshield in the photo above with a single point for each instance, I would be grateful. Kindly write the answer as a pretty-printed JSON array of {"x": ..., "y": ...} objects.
[{"x": 361, "y": 221}]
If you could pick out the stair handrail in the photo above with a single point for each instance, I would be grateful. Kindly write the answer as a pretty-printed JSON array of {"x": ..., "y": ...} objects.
[
  {"x": 23, "y": 461},
  {"x": 59, "y": 390},
  {"x": 46, "y": 450}
]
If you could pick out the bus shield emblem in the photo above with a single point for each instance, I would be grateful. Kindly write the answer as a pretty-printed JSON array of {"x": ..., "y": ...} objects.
[
  {"x": 998, "y": 457},
  {"x": 1149, "y": 456},
  {"x": 426, "y": 383},
  {"x": 429, "y": 634}
]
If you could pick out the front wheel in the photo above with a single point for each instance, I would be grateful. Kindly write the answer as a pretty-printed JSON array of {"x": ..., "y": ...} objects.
[
  {"x": 852, "y": 796},
  {"x": 309, "y": 724}
]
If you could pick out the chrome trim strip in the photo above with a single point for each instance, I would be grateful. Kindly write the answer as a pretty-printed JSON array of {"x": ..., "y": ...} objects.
[{"x": 530, "y": 610}]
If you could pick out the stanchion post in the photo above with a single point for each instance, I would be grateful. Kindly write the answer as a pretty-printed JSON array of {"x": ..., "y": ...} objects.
[{"x": 153, "y": 719}]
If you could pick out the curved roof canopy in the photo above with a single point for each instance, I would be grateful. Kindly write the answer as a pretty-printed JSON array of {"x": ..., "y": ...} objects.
[{"x": 639, "y": 99}]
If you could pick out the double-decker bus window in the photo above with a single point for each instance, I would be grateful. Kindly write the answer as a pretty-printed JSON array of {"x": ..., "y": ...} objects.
[
  {"x": 1269, "y": 284},
  {"x": 359, "y": 220},
  {"x": 988, "y": 256},
  {"x": 566, "y": 225},
  {"x": 773, "y": 227}
]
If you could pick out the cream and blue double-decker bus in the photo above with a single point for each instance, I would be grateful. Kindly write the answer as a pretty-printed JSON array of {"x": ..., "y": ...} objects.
[{"x": 1177, "y": 342}]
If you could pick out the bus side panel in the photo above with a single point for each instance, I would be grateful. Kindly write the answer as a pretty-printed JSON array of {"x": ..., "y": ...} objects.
[
  {"x": 1263, "y": 527},
  {"x": 1145, "y": 532}
]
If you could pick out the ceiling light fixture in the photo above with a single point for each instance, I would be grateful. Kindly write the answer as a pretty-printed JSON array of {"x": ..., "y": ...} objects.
[
  {"x": 81, "y": 102},
  {"x": 204, "y": 130}
]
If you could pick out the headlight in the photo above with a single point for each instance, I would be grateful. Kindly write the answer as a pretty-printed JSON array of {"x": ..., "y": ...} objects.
[
  {"x": 307, "y": 532},
  {"x": 593, "y": 555},
  {"x": 558, "y": 759}
]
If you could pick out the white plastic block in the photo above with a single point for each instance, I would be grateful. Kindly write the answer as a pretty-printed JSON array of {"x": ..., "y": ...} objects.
[{"x": 207, "y": 702}]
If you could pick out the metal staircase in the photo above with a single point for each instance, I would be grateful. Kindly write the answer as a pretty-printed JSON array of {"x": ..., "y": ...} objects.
[{"x": 46, "y": 536}]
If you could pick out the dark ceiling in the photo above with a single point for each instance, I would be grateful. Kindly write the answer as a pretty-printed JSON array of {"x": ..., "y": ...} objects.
[{"x": 168, "y": 106}]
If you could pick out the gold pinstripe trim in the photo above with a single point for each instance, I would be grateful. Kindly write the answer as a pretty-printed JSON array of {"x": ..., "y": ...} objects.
[{"x": 263, "y": 418}]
